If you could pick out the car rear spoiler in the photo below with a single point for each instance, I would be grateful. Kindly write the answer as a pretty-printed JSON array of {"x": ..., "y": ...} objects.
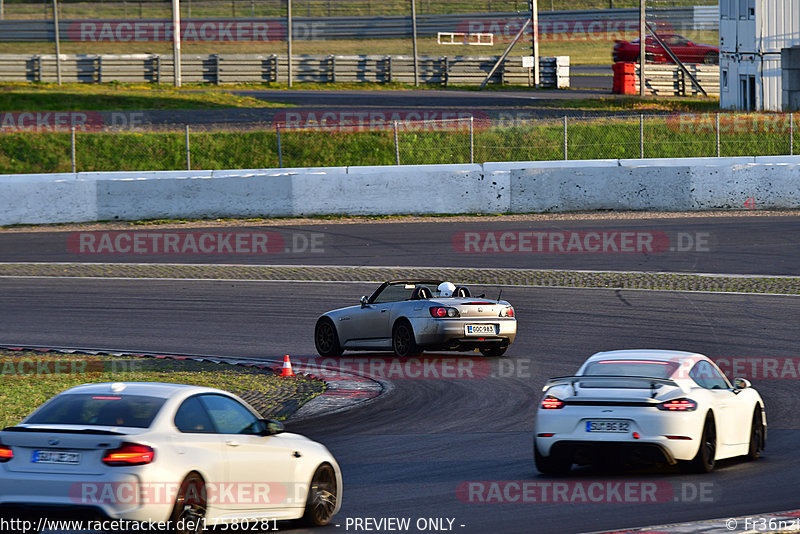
[{"x": 636, "y": 382}]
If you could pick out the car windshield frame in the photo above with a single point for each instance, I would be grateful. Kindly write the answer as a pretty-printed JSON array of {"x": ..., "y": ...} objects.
[{"x": 415, "y": 283}]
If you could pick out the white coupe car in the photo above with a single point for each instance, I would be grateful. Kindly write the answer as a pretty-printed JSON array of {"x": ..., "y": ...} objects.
[
  {"x": 156, "y": 452},
  {"x": 647, "y": 405}
]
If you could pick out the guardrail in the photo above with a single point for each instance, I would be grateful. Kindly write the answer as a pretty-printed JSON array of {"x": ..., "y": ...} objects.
[
  {"x": 240, "y": 68},
  {"x": 670, "y": 80},
  {"x": 504, "y": 24}
]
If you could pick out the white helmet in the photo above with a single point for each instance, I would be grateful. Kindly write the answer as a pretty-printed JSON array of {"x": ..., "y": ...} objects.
[{"x": 446, "y": 289}]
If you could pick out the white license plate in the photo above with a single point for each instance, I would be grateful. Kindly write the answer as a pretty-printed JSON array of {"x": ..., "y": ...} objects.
[
  {"x": 608, "y": 426},
  {"x": 56, "y": 457},
  {"x": 480, "y": 329}
]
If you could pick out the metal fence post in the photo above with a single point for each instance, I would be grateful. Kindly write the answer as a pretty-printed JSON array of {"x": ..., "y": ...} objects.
[
  {"x": 280, "y": 151},
  {"x": 471, "y": 139},
  {"x": 791, "y": 134},
  {"x": 641, "y": 136},
  {"x": 72, "y": 142},
  {"x": 188, "y": 151},
  {"x": 396, "y": 145},
  {"x": 717, "y": 130},
  {"x": 565, "y": 138}
]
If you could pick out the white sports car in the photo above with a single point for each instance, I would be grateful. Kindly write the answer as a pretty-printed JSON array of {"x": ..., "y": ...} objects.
[
  {"x": 156, "y": 452},
  {"x": 647, "y": 405}
]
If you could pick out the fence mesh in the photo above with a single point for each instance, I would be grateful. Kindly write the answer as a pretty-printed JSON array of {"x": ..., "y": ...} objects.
[{"x": 410, "y": 142}]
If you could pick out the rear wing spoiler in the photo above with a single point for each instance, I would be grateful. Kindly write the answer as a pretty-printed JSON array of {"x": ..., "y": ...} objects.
[{"x": 622, "y": 382}]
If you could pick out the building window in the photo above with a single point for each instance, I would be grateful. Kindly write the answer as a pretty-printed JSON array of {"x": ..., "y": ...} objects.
[{"x": 724, "y": 80}]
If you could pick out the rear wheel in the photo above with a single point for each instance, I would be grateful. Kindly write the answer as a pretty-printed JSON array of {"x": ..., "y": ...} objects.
[
  {"x": 494, "y": 351},
  {"x": 403, "y": 341},
  {"x": 322, "y": 495},
  {"x": 756, "y": 436},
  {"x": 551, "y": 465},
  {"x": 190, "y": 506},
  {"x": 704, "y": 460},
  {"x": 326, "y": 339}
]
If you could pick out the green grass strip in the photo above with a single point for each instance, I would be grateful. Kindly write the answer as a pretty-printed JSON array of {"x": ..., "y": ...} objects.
[
  {"x": 29, "y": 378},
  {"x": 28, "y": 152}
]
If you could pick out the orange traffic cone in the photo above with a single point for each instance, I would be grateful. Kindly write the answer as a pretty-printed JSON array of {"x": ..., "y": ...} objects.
[{"x": 287, "y": 367}]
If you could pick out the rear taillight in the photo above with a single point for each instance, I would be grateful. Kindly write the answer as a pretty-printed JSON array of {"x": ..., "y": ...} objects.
[
  {"x": 5, "y": 453},
  {"x": 551, "y": 403},
  {"x": 507, "y": 312},
  {"x": 678, "y": 405},
  {"x": 441, "y": 311},
  {"x": 129, "y": 454}
]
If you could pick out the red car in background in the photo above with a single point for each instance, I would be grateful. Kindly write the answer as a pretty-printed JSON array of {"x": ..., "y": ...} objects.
[{"x": 683, "y": 48}]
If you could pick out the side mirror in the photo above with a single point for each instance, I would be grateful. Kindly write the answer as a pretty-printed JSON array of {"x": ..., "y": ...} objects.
[
  {"x": 272, "y": 427},
  {"x": 364, "y": 301},
  {"x": 741, "y": 383}
]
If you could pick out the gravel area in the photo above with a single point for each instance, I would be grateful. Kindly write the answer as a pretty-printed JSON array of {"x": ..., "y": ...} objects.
[
  {"x": 789, "y": 285},
  {"x": 258, "y": 222}
]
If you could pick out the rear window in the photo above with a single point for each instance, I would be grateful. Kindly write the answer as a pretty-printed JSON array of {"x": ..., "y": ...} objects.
[
  {"x": 647, "y": 369},
  {"x": 98, "y": 410}
]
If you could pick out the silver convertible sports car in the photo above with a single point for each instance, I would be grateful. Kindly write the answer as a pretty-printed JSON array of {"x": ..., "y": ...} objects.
[{"x": 409, "y": 316}]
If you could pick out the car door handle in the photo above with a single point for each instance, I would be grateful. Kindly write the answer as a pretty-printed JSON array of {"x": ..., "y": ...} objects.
[
  {"x": 383, "y": 311},
  {"x": 232, "y": 443}
]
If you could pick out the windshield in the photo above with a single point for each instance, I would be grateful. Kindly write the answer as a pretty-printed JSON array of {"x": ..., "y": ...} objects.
[
  {"x": 98, "y": 410},
  {"x": 643, "y": 368}
]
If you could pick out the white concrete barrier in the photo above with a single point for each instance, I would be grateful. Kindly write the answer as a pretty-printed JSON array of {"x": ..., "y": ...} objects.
[{"x": 500, "y": 187}]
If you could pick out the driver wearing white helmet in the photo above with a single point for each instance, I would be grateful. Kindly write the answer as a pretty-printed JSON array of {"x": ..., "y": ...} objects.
[{"x": 446, "y": 289}]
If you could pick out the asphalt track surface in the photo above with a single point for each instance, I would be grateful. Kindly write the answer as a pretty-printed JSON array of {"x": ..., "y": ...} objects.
[
  {"x": 765, "y": 245},
  {"x": 409, "y": 453},
  {"x": 505, "y": 107}
]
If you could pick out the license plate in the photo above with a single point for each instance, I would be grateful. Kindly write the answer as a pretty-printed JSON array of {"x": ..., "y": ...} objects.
[
  {"x": 480, "y": 329},
  {"x": 56, "y": 457},
  {"x": 608, "y": 426}
]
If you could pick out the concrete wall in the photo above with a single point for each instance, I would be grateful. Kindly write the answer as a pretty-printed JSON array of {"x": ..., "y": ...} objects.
[{"x": 507, "y": 187}]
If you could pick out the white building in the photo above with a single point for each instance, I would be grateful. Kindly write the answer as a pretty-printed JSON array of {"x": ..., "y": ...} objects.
[{"x": 752, "y": 34}]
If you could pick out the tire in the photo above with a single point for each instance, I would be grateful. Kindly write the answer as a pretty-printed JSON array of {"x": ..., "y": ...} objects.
[
  {"x": 756, "y": 436},
  {"x": 326, "y": 339},
  {"x": 711, "y": 58},
  {"x": 190, "y": 506},
  {"x": 704, "y": 460},
  {"x": 494, "y": 352},
  {"x": 322, "y": 497},
  {"x": 550, "y": 465},
  {"x": 403, "y": 341}
]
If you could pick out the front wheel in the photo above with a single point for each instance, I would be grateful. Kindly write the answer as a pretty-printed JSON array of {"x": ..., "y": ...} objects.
[
  {"x": 322, "y": 496},
  {"x": 326, "y": 339},
  {"x": 189, "y": 511},
  {"x": 403, "y": 341},
  {"x": 711, "y": 58},
  {"x": 756, "y": 436}
]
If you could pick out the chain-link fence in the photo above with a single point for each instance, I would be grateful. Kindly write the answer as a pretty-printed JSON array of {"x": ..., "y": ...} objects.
[{"x": 405, "y": 142}]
